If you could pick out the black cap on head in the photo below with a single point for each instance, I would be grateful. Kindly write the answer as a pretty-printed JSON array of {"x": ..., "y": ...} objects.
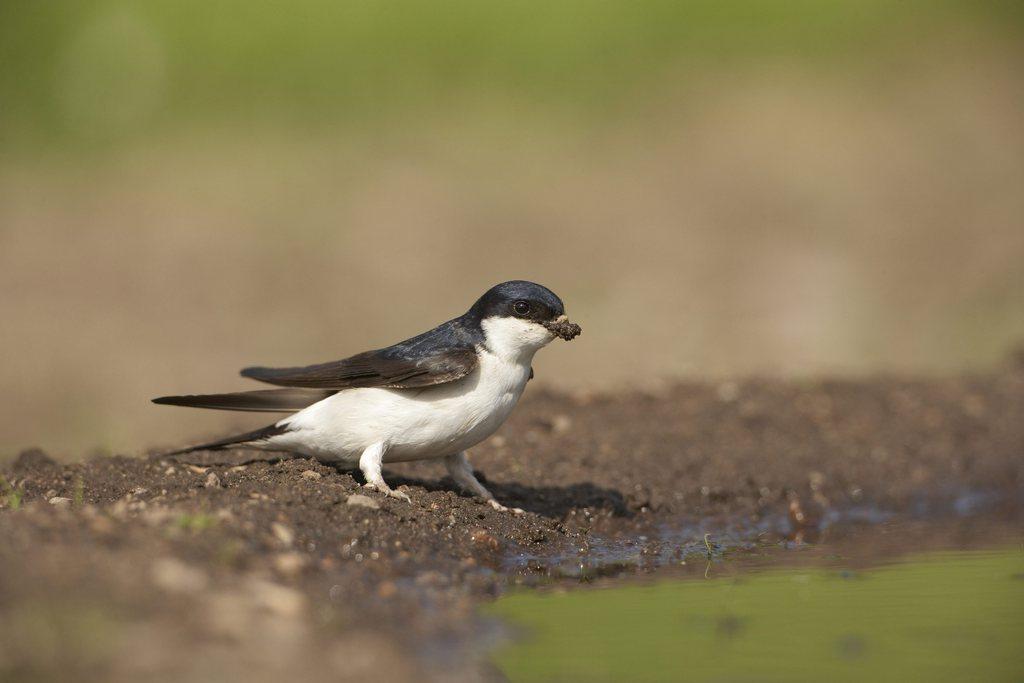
[{"x": 519, "y": 299}]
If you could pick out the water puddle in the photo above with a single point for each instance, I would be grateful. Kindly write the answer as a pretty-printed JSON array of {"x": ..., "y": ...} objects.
[
  {"x": 899, "y": 600},
  {"x": 967, "y": 518}
]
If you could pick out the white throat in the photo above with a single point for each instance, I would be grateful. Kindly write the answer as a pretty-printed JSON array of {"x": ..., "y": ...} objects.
[{"x": 514, "y": 340}]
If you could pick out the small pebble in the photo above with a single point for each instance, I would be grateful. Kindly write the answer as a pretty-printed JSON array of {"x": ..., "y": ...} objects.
[
  {"x": 176, "y": 576},
  {"x": 290, "y": 564},
  {"x": 431, "y": 578},
  {"x": 311, "y": 475},
  {"x": 727, "y": 392},
  {"x": 60, "y": 502},
  {"x": 153, "y": 516},
  {"x": 280, "y": 600},
  {"x": 212, "y": 481},
  {"x": 363, "y": 501},
  {"x": 560, "y": 424},
  {"x": 102, "y": 524},
  {"x": 283, "y": 533},
  {"x": 482, "y": 537}
]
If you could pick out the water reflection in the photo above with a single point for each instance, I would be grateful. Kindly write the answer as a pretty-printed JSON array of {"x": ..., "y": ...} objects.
[{"x": 942, "y": 616}]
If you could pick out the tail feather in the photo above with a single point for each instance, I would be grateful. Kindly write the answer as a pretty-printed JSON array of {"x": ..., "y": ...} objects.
[
  {"x": 264, "y": 400},
  {"x": 238, "y": 440}
]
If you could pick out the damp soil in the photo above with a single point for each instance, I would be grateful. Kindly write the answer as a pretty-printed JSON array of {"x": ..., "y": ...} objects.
[{"x": 121, "y": 567}]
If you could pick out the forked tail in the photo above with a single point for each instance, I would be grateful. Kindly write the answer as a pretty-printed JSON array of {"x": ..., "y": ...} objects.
[{"x": 236, "y": 441}]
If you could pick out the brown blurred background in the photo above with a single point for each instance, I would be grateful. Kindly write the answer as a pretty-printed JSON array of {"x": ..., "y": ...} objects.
[{"x": 713, "y": 188}]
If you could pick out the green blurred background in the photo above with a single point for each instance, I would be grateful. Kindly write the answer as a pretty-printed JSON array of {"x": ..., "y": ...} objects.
[{"x": 713, "y": 187}]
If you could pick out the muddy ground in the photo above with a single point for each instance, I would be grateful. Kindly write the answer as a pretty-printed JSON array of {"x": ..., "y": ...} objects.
[{"x": 124, "y": 567}]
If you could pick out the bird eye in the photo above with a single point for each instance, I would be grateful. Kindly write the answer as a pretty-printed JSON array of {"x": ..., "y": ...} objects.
[{"x": 521, "y": 308}]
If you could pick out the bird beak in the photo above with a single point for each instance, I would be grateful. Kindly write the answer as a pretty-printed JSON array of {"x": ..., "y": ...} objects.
[{"x": 561, "y": 327}]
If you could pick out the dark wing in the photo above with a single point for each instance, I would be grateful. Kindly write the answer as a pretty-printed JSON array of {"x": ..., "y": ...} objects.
[
  {"x": 265, "y": 400},
  {"x": 444, "y": 354},
  {"x": 374, "y": 369}
]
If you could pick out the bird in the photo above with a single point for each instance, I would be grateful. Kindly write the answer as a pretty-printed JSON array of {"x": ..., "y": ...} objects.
[{"x": 433, "y": 396}]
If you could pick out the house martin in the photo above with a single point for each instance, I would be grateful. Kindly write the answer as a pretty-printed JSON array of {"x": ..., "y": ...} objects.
[{"x": 432, "y": 396}]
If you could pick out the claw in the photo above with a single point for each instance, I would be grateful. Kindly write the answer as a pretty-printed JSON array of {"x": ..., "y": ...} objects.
[
  {"x": 388, "y": 491},
  {"x": 501, "y": 508}
]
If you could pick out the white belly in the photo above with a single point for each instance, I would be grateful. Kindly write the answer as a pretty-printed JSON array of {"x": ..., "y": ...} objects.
[{"x": 413, "y": 424}]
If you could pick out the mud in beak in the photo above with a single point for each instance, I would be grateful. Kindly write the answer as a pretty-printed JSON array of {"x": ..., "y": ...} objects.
[{"x": 561, "y": 327}]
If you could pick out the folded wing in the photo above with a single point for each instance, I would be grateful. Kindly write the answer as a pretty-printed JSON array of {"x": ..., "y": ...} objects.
[{"x": 396, "y": 367}]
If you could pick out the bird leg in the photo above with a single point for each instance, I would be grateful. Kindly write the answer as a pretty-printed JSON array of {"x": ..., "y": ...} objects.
[
  {"x": 461, "y": 471},
  {"x": 369, "y": 464}
]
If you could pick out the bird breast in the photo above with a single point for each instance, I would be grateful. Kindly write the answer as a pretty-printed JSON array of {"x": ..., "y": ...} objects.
[{"x": 414, "y": 424}]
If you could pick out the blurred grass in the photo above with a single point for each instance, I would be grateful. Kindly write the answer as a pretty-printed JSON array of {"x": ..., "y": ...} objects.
[{"x": 91, "y": 73}]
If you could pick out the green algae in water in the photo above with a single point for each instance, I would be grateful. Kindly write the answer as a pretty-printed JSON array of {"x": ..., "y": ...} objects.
[{"x": 948, "y": 617}]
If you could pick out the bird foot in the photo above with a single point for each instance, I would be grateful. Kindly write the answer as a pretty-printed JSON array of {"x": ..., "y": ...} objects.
[{"x": 388, "y": 491}]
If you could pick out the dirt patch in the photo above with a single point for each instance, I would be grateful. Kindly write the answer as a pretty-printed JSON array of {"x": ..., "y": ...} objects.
[{"x": 122, "y": 567}]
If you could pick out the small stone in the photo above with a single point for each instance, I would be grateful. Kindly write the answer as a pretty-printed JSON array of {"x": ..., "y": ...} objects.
[
  {"x": 796, "y": 512},
  {"x": 560, "y": 424},
  {"x": 197, "y": 469},
  {"x": 483, "y": 538},
  {"x": 212, "y": 481},
  {"x": 387, "y": 589},
  {"x": 176, "y": 576},
  {"x": 155, "y": 516},
  {"x": 58, "y": 501},
  {"x": 360, "y": 500},
  {"x": 431, "y": 578},
  {"x": 311, "y": 475},
  {"x": 727, "y": 392},
  {"x": 102, "y": 524},
  {"x": 277, "y": 599},
  {"x": 499, "y": 441},
  {"x": 283, "y": 533},
  {"x": 119, "y": 509},
  {"x": 290, "y": 564}
]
